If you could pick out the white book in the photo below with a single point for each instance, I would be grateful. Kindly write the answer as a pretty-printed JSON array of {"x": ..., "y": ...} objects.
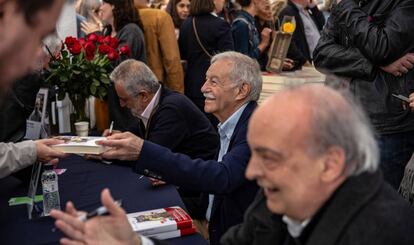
[
  {"x": 172, "y": 234},
  {"x": 80, "y": 145},
  {"x": 160, "y": 220}
]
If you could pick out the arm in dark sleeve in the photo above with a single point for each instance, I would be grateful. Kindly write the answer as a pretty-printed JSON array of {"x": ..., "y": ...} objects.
[
  {"x": 241, "y": 36},
  {"x": 318, "y": 16},
  {"x": 381, "y": 38},
  {"x": 133, "y": 37},
  {"x": 206, "y": 176},
  {"x": 332, "y": 57},
  {"x": 170, "y": 129}
]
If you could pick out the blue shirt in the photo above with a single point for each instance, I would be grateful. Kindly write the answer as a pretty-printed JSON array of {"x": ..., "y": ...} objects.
[
  {"x": 225, "y": 130},
  {"x": 245, "y": 35}
]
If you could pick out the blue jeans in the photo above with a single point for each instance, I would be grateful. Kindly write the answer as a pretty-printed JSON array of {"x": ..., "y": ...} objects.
[{"x": 395, "y": 151}]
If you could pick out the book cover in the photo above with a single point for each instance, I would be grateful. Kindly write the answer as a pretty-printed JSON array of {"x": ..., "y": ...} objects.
[
  {"x": 80, "y": 145},
  {"x": 160, "y": 220},
  {"x": 175, "y": 233}
]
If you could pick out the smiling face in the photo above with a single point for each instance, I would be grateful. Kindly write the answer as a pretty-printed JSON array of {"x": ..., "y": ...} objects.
[
  {"x": 223, "y": 97},
  {"x": 16, "y": 52},
  {"x": 280, "y": 163},
  {"x": 183, "y": 9}
]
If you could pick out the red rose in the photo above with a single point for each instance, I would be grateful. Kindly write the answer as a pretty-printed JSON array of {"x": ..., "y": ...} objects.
[
  {"x": 104, "y": 49},
  {"x": 70, "y": 41},
  {"x": 113, "y": 55},
  {"x": 125, "y": 50},
  {"x": 90, "y": 49},
  {"x": 114, "y": 43},
  {"x": 100, "y": 39},
  {"x": 75, "y": 49},
  {"x": 107, "y": 40},
  {"x": 82, "y": 41},
  {"x": 92, "y": 37}
]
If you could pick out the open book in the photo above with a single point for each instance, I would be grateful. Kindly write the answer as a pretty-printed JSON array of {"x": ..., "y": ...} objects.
[
  {"x": 161, "y": 220},
  {"x": 80, "y": 145}
]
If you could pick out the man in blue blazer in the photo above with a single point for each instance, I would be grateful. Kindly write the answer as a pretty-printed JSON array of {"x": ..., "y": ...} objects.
[{"x": 232, "y": 87}]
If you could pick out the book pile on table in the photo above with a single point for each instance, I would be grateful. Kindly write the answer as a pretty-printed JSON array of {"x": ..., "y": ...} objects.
[{"x": 162, "y": 223}]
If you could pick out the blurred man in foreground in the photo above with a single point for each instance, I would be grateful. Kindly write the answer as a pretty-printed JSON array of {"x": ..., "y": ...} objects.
[{"x": 19, "y": 21}]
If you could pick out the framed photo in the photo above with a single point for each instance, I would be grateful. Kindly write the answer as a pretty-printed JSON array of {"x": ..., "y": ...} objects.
[{"x": 37, "y": 118}]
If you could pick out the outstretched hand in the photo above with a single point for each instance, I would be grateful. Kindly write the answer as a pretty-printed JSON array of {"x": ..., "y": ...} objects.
[
  {"x": 123, "y": 146},
  {"x": 45, "y": 153}
]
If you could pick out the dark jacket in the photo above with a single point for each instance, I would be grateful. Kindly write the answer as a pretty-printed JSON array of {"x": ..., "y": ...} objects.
[
  {"x": 215, "y": 35},
  {"x": 245, "y": 35},
  {"x": 133, "y": 36},
  {"x": 299, "y": 37},
  {"x": 364, "y": 210},
  {"x": 177, "y": 124},
  {"x": 226, "y": 179},
  {"x": 356, "y": 41}
]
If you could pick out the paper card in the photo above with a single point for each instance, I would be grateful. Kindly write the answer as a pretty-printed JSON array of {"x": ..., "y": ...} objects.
[
  {"x": 32, "y": 130},
  {"x": 24, "y": 200}
]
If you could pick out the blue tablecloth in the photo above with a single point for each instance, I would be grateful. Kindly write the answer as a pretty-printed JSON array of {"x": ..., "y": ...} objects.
[{"x": 82, "y": 183}]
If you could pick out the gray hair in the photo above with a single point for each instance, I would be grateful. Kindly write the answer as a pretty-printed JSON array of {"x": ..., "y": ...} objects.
[
  {"x": 244, "y": 70},
  {"x": 134, "y": 75},
  {"x": 336, "y": 119}
]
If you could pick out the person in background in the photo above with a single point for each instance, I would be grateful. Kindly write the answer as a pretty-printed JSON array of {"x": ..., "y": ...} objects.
[
  {"x": 163, "y": 54},
  {"x": 309, "y": 24},
  {"x": 127, "y": 26},
  {"x": 19, "y": 20},
  {"x": 203, "y": 34},
  {"x": 179, "y": 11},
  {"x": 88, "y": 20},
  {"x": 264, "y": 19},
  {"x": 370, "y": 43},
  {"x": 245, "y": 34}
]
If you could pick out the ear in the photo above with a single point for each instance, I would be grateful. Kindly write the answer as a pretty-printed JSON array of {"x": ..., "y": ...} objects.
[
  {"x": 244, "y": 92},
  {"x": 146, "y": 96},
  {"x": 333, "y": 165}
]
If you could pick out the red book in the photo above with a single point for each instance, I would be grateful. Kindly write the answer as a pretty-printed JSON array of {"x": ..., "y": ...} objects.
[{"x": 160, "y": 220}]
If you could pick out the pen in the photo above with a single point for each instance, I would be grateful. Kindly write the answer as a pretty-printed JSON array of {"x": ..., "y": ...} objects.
[
  {"x": 110, "y": 128},
  {"x": 98, "y": 212}
]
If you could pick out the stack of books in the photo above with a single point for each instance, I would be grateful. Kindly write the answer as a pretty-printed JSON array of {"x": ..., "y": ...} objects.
[{"x": 162, "y": 223}]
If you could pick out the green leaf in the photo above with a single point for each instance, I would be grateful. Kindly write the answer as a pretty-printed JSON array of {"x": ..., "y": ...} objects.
[
  {"x": 63, "y": 78},
  {"x": 93, "y": 89}
]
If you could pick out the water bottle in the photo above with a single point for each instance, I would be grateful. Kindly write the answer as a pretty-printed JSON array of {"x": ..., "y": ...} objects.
[{"x": 51, "y": 199}]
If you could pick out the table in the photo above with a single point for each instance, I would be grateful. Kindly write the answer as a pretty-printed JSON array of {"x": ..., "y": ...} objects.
[
  {"x": 82, "y": 183},
  {"x": 273, "y": 82}
]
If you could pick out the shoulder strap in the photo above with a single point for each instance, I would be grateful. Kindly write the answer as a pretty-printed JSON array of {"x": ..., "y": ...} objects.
[{"x": 198, "y": 39}]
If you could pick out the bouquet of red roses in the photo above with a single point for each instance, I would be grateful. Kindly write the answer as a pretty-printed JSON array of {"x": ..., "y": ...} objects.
[{"x": 83, "y": 65}]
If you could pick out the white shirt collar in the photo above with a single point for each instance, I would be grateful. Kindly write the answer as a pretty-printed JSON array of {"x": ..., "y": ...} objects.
[
  {"x": 295, "y": 227},
  {"x": 150, "y": 107}
]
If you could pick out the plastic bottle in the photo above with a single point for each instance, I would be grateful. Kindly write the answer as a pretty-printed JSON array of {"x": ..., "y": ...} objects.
[{"x": 50, "y": 188}]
